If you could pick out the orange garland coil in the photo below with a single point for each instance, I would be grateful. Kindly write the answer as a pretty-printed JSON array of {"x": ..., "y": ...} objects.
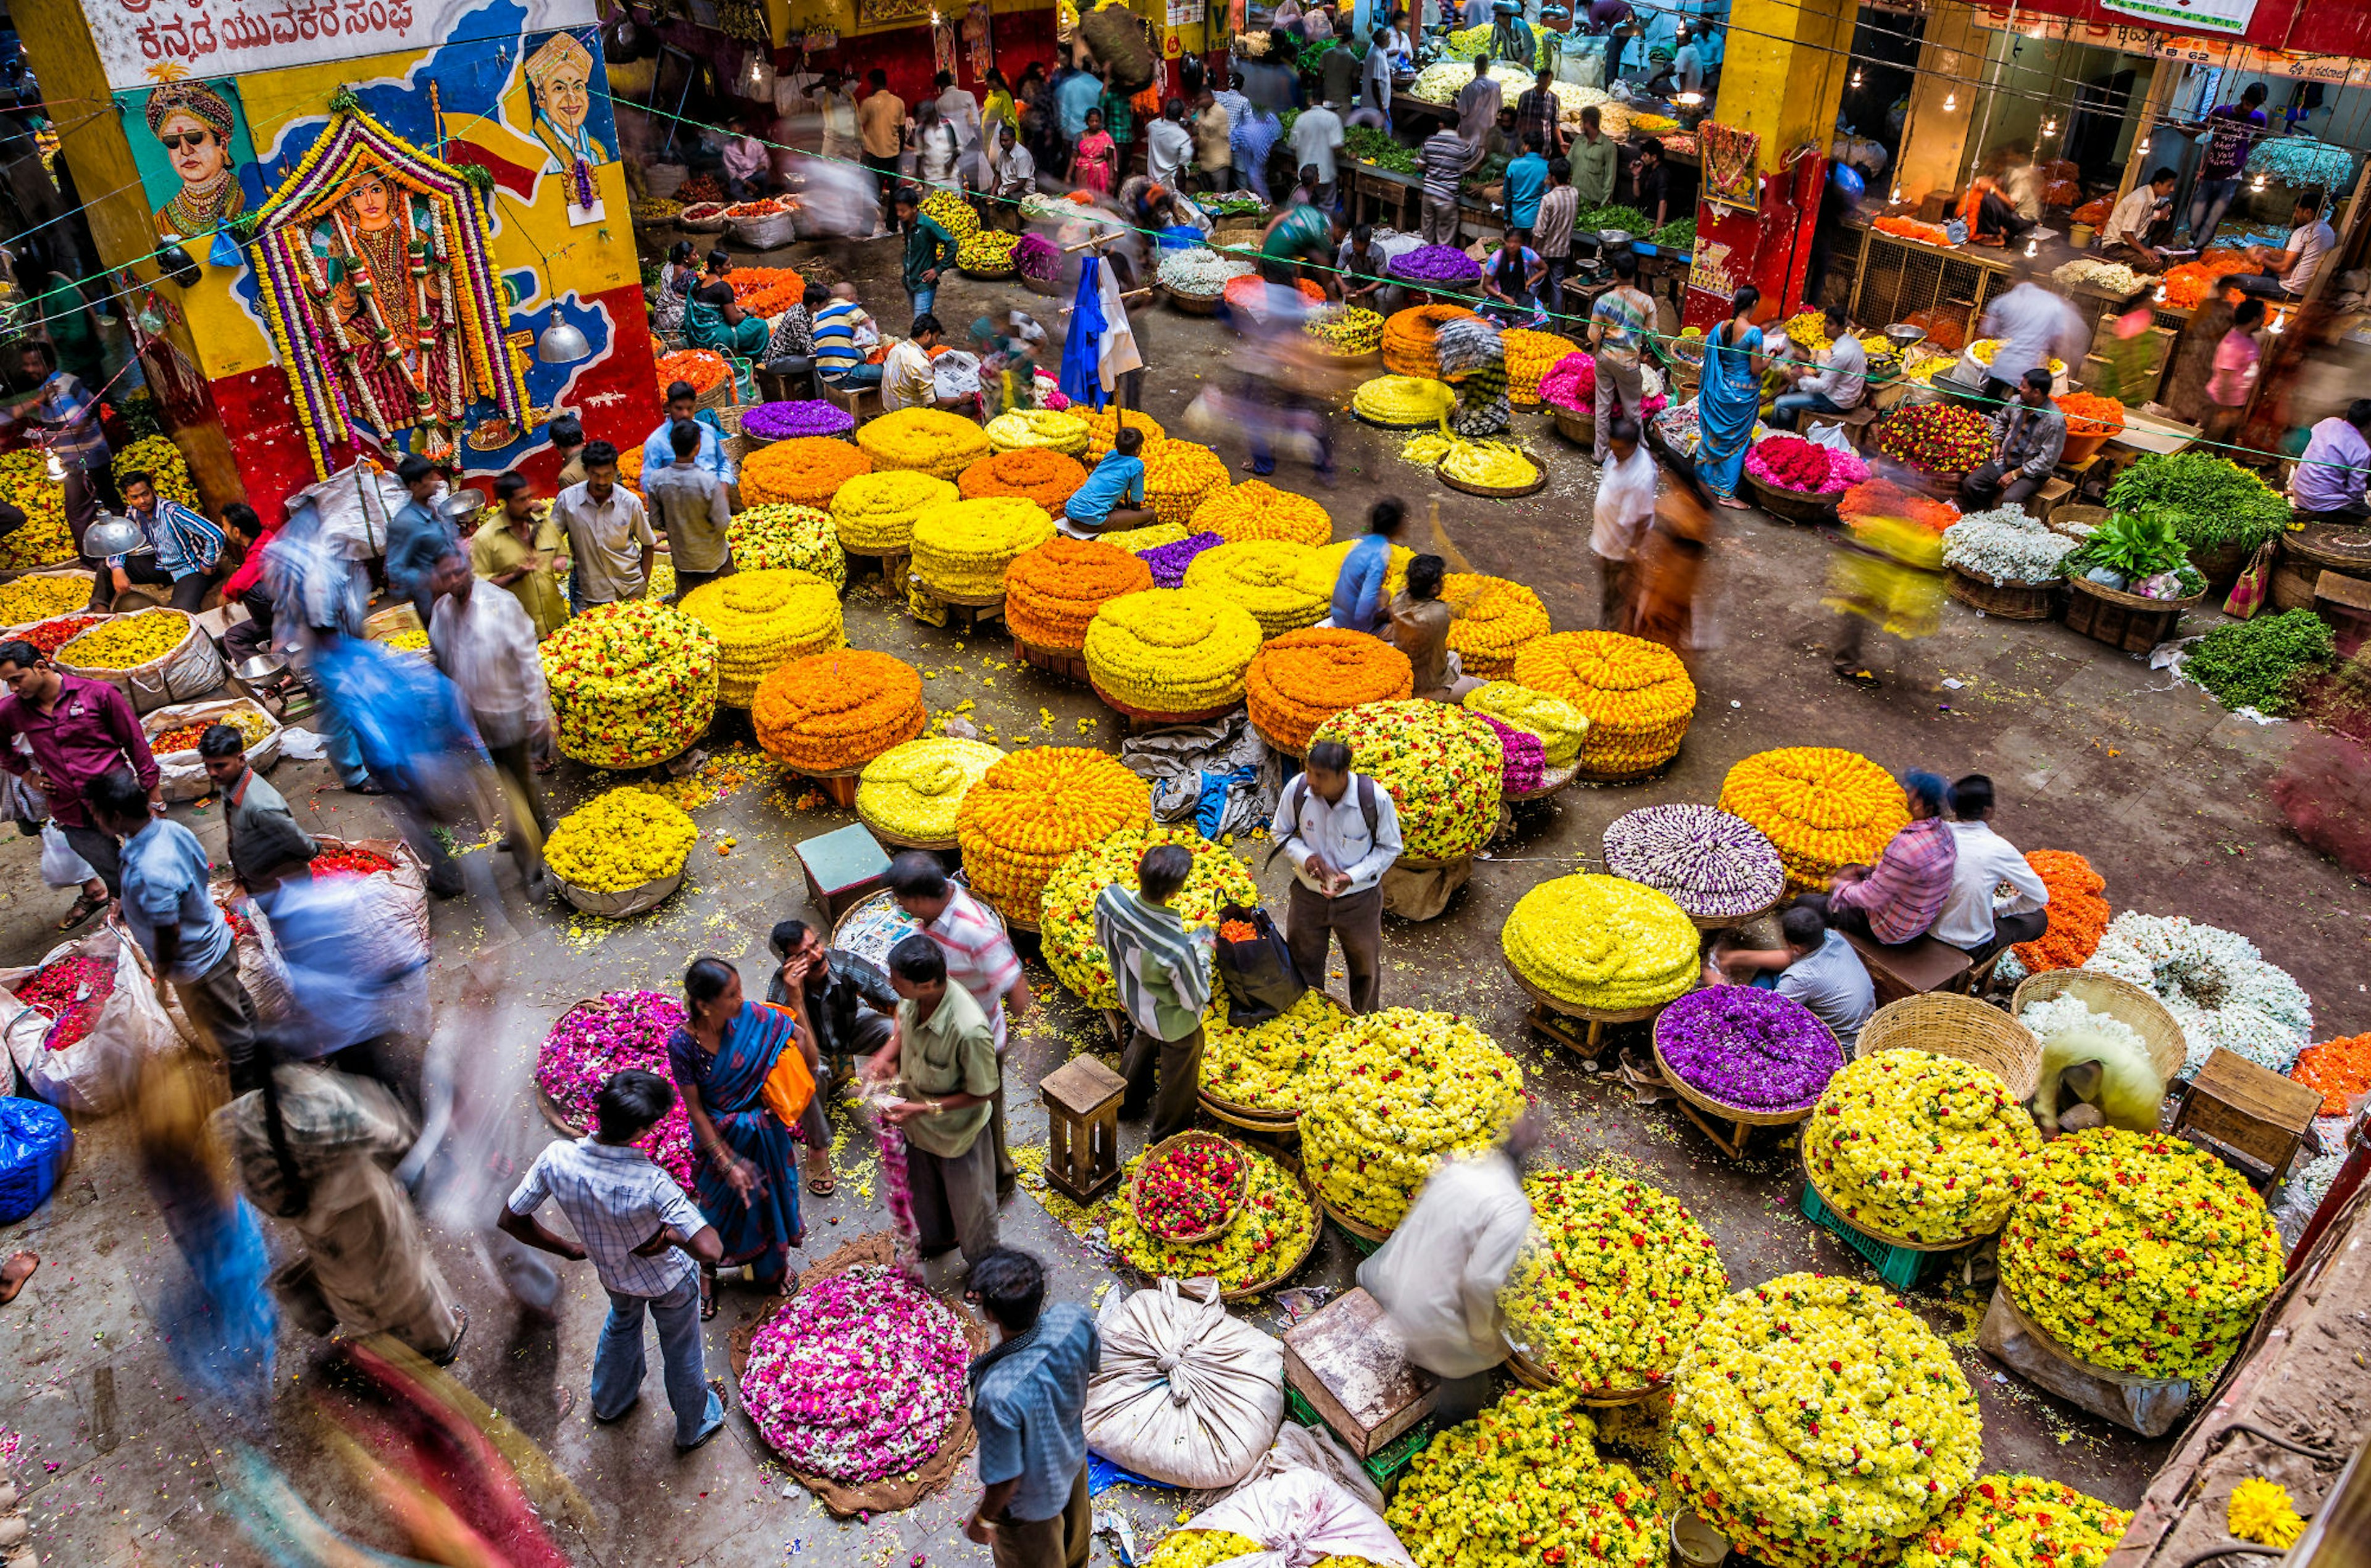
[
  {"x": 2077, "y": 912},
  {"x": 1051, "y": 593},
  {"x": 832, "y": 712},
  {"x": 766, "y": 291},
  {"x": 2089, "y": 414},
  {"x": 1028, "y": 813},
  {"x": 1298, "y": 681},
  {"x": 1257, "y": 510},
  {"x": 1411, "y": 339},
  {"x": 701, "y": 368},
  {"x": 805, "y": 470},
  {"x": 1035, "y": 473}
]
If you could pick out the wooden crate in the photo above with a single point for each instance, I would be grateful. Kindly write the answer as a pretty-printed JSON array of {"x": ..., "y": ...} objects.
[
  {"x": 2249, "y": 1112},
  {"x": 1347, "y": 1364}
]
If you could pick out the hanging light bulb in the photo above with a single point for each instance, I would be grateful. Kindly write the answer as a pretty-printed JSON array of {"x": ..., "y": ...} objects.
[
  {"x": 56, "y": 469},
  {"x": 2160, "y": 294},
  {"x": 2257, "y": 184},
  {"x": 2050, "y": 126},
  {"x": 1856, "y": 81},
  {"x": 1951, "y": 102},
  {"x": 1897, "y": 190}
]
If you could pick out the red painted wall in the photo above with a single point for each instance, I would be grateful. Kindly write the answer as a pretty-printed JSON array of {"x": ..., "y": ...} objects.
[
  {"x": 1770, "y": 248},
  {"x": 2276, "y": 24}
]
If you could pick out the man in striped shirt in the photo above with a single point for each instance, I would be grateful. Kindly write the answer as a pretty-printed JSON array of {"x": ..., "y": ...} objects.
[
  {"x": 1446, "y": 158},
  {"x": 836, "y": 357},
  {"x": 979, "y": 959},
  {"x": 1163, "y": 969}
]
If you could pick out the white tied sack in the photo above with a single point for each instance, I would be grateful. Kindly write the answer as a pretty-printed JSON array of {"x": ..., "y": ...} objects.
[
  {"x": 97, "y": 1073},
  {"x": 1298, "y": 1518},
  {"x": 184, "y": 772},
  {"x": 191, "y": 668},
  {"x": 357, "y": 504},
  {"x": 1188, "y": 1395}
]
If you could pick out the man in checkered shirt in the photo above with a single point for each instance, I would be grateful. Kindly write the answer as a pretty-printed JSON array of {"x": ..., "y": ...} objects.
[{"x": 979, "y": 958}]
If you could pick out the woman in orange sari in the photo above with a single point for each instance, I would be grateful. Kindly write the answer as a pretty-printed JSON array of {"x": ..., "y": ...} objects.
[{"x": 1668, "y": 570}]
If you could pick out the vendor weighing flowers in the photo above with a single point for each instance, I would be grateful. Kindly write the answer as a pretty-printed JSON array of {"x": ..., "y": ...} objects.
[
  {"x": 1163, "y": 969},
  {"x": 1341, "y": 831},
  {"x": 944, "y": 1058},
  {"x": 2029, "y": 432},
  {"x": 1897, "y": 900}
]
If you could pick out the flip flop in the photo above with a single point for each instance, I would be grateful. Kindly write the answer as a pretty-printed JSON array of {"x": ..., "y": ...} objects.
[
  {"x": 706, "y": 1296},
  {"x": 84, "y": 906},
  {"x": 823, "y": 1186}
]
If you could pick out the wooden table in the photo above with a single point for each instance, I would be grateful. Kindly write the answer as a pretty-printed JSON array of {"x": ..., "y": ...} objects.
[{"x": 1375, "y": 189}]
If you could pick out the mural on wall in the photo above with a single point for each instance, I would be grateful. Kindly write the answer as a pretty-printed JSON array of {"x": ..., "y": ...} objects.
[
  {"x": 570, "y": 115},
  {"x": 195, "y": 159}
]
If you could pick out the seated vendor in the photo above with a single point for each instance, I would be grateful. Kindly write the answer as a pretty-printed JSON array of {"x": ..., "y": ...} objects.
[
  {"x": 1990, "y": 214},
  {"x": 1975, "y": 918},
  {"x": 1361, "y": 602},
  {"x": 2090, "y": 1076},
  {"x": 1836, "y": 386},
  {"x": 907, "y": 380},
  {"x": 2029, "y": 432},
  {"x": 2125, "y": 237},
  {"x": 1112, "y": 495},
  {"x": 1360, "y": 266},
  {"x": 713, "y": 319},
  {"x": 2327, "y": 484},
  {"x": 1896, "y": 900},
  {"x": 1816, "y": 966},
  {"x": 1419, "y": 628}
]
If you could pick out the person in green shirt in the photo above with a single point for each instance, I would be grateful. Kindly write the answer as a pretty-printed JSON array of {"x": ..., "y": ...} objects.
[
  {"x": 1119, "y": 124},
  {"x": 944, "y": 1057},
  {"x": 930, "y": 251},
  {"x": 1592, "y": 156},
  {"x": 1162, "y": 970}
]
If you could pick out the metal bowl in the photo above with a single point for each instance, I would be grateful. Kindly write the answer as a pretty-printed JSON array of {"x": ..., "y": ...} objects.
[
  {"x": 1614, "y": 239},
  {"x": 261, "y": 669},
  {"x": 461, "y": 505},
  {"x": 1902, "y": 336},
  {"x": 114, "y": 535}
]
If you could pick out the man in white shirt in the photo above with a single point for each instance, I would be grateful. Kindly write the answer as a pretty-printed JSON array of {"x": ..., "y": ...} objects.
[
  {"x": 486, "y": 646},
  {"x": 1341, "y": 832},
  {"x": 837, "y": 100},
  {"x": 907, "y": 379},
  {"x": 1974, "y": 918},
  {"x": 1316, "y": 135},
  {"x": 1687, "y": 65},
  {"x": 2126, "y": 239},
  {"x": 1168, "y": 146},
  {"x": 2033, "y": 326},
  {"x": 1625, "y": 505},
  {"x": 958, "y": 108},
  {"x": 1375, "y": 75},
  {"x": 1836, "y": 387},
  {"x": 1478, "y": 103},
  {"x": 2288, "y": 273}
]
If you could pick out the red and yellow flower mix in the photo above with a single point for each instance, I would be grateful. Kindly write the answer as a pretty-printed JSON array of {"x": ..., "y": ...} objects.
[{"x": 631, "y": 684}]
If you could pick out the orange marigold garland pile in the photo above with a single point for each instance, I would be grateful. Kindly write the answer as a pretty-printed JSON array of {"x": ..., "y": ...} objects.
[
  {"x": 1257, "y": 510},
  {"x": 1051, "y": 593},
  {"x": 1035, "y": 473},
  {"x": 806, "y": 470},
  {"x": 834, "y": 712},
  {"x": 1496, "y": 617},
  {"x": 2077, "y": 912},
  {"x": 1180, "y": 477},
  {"x": 1410, "y": 339},
  {"x": 1029, "y": 811},
  {"x": 701, "y": 367},
  {"x": 766, "y": 291},
  {"x": 1299, "y": 680},
  {"x": 1102, "y": 427}
]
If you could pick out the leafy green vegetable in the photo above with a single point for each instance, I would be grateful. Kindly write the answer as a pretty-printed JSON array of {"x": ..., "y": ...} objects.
[
  {"x": 2256, "y": 663},
  {"x": 1629, "y": 220},
  {"x": 1680, "y": 233},
  {"x": 2210, "y": 500},
  {"x": 1369, "y": 146},
  {"x": 2131, "y": 543}
]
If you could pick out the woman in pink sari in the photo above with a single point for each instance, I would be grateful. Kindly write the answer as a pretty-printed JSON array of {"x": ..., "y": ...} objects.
[{"x": 1092, "y": 170}]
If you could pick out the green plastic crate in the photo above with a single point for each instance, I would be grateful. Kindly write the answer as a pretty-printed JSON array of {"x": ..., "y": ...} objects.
[
  {"x": 1900, "y": 1267},
  {"x": 1392, "y": 1458}
]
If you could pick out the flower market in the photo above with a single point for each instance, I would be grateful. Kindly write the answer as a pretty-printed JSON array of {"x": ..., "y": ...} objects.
[{"x": 739, "y": 663}]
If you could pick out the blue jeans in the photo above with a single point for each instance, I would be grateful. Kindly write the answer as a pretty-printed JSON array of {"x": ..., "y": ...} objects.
[
  {"x": 2209, "y": 200},
  {"x": 859, "y": 376},
  {"x": 618, "y": 1363},
  {"x": 923, "y": 299},
  {"x": 1789, "y": 407}
]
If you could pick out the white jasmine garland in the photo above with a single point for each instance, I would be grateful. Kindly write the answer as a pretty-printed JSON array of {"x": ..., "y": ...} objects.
[
  {"x": 2113, "y": 276},
  {"x": 2066, "y": 1013},
  {"x": 2006, "y": 546},
  {"x": 1710, "y": 862},
  {"x": 2215, "y": 982},
  {"x": 1202, "y": 271}
]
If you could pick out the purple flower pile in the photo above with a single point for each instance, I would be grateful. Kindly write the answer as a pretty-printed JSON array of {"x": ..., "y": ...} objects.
[
  {"x": 1434, "y": 264},
  {"x": 1527, "y": 763},
  {"x": 1710, "y": 862},
  {"x": 1169, "y": 562},
  {"x": 858, "y": 1376},
  {"x": 623, "y": 1029},
  {"x": 782, "y": 422},
  {"x": 1756, "y": 1050},
  {"x": 1037, "y": 257}
]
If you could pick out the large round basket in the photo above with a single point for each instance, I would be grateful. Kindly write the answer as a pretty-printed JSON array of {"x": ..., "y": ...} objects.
[
  {"x": 1957, "y": 1026},
  {"x": 1539, "y": 482},
  {"x": 1048, "y": 288},
  {"x": 2009, "y": 601},
  {"x": 1551, "y": 781},
  {"x": 1944, "y": 486},
  {"x": 1055, "y": 661},
  {"x": 1635, "y": 775},
  {"x": 989, "y": 274},
  {"x": 1291, "y": 1266},
  {"x": 1792, "y": 506},
  {"x": 2077, "y": 522},
  {"x": 1863, "y": 1225},
  {"x": 1148, "y": 716},
  {"x": 617, "y": 905},
  {"x": 1432, "y": 423},
  {"x": 2120, "y": 999},
  {"x": 1741, "y": 1116},
  {"x": 1188, "y": 1139},
  {"x": 1249, "y": 1118},
  {"x": 719, "y": 396},
  {"x": 1532, "y": 1375},
  {"x": 1370, "y": 360},
  {"x": 1196, "y": 304},
  {"x": 1574, "y": 426},
  {"x": 1357, "y": 1228},
  {"x": 1725, "y": 922},
  {"x": 2305, "y": 553}
]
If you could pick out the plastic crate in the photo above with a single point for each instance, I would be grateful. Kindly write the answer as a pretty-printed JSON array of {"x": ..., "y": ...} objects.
[
  {"x": 1900, "y": 1267},
  {"x": 1387, "y": 1461}
]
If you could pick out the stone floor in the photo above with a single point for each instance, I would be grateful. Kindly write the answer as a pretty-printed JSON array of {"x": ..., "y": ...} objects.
[{"x": 2092, "y": 751}]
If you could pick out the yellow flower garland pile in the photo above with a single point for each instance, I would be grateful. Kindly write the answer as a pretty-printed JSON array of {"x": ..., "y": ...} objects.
[
  {"x": 1530, "y": 355},
  {"x": 1613, "y": 1283},
  {"x": 762, "y": 620},
  {"x": 1272, "y": 1230},
  {"x": 1496, "y": 620},
  {"x": 1299, "y": 680},
  {"x": 1636, "y": 694},
  {"x": 1394, "y": 1093},
  {"x": 1029, "y": 811},
  {"x": 1151, "y": 537},
  {"x": 876, "y": 513},
  {"x": 622, "y": 840},
  {"x": 835, "y": 712},
  {"x": 167, "y": 470},
  {"x": 766, "y": 538},
  {"x": 1102, "y": 427},
  {"x": 1818, "y": 1423},
  {"x": 126, "y": 642},
  {"x": 1066, "y": 910},
  {"x": 1053, "y": 592},
  {"x": 1444, "y": 766},
  {"x": 1824, "y": 807},
  {"x": 1403, "y": 401},
  {"x": 961, "y": 547},
  {"x": 1926, "y": 1148},
  {"x": 988, "y": 250},
  {"x": 1560, "y": 726},
  {"x": 912, "y": 792},
  {"x": 1179, "y": 477},
  {"x": 928, "y": 441},
  {"x": 2020, "y": 1521},
  {"x": 1325, "y": 565},
  {"x": 1522, "y": 1484},
  {"x": 1171, "y": 651},
  {"x": 44, "y": 540},
  {"x": 1269, "y": 1066},
  {"x": 1257, "y": 510},
  {"x": 1058, "y": 429},
  {"x": 631, "y": 684},
  {"x": 1268, "y": 577},
  {"x": 2140, "y": 1252},
  {"x": 1602, "y": 943}
]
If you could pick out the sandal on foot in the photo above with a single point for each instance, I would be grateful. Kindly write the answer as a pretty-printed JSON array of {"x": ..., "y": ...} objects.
[
  {"x": 84, "y": 906},
  {"x": 825, "y": 1185},
  {"x": 706, "y": 1296}
]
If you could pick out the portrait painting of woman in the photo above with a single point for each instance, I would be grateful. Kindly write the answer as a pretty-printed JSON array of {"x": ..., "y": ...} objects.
[{"x": 383, "y": 278}]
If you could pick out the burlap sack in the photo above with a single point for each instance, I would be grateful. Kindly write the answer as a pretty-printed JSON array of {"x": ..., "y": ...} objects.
[
  {"x": 1422, "y": 892},
  {"x": 1186, "y": 1394},
  {"x": 97, "y": 1073},
  {"x": 82, "y": 574},
  {"x": 192, "y": 668},
  {"x": 2150, "y": 1406},
  {"x": 184, "y": 771}
]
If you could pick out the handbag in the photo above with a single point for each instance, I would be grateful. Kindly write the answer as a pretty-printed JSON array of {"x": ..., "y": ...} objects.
[
  {"x": 2248, "y": 594},
  {"x": 789, "y": 1085}
]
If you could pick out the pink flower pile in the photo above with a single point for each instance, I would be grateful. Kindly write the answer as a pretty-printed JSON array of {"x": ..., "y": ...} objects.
[
  {"x": 1527, "y": 763},
  {"x": 1571, "y": 385},
  {"x": 857, "y": 1376},
  {"x": 623, "y": 1029},
  {"x": 1788, "y": 462}
]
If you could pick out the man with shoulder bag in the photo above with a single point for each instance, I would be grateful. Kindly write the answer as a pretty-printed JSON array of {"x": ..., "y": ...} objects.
[{"x": 1341, "y": 832}]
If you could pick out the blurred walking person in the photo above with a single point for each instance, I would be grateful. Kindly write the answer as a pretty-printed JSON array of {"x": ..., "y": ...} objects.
[
  {"x": 486, "y": 646},
  {"x": 1669, "y": 570}
]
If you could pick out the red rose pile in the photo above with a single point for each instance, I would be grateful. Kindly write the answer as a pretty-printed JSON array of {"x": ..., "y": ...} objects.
[
  {"x": 72, "y": 991},
  {"x": 350, "y": 862},
  {"x": 1796, "y": 464},
  {"x": 1190, "y": 1190}
]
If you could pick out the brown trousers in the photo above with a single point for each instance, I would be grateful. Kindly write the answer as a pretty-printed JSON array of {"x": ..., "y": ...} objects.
[
  {"x": 1058, "y": 1542},
  {"x": 1357, "y": 919}
]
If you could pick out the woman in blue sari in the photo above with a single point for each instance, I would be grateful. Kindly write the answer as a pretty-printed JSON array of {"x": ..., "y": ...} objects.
[
  {"x": 744, "y": 1162},
  {"x": 1729, "y": 398},
  {"x": 712, "y": 321}
]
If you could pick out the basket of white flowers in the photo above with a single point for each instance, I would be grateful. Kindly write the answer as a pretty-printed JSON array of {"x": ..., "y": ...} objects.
[{"x": 2004, "y": 563}]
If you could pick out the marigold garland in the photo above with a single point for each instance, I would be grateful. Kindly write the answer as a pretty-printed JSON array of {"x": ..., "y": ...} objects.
[
  {"x": 1411, "y": 344},
  {"x": 1403, "y": 403},
  {"x": 1020, "y": 430},
  {"x": 928, "y": 441},
  {"x": 912, "y": 792},
  {"x": 1257, "y": 510},
  {"x": 766, "y": 291},
  {"x": 1102, "y": 426},
  {"x": 1522, "y": 1483},
  {"x": 1444, "y": 767},
  {"x": 875, "y": 513},
  {"x": 1602, "y": 943},
  {"x": 1066, "y": 910},
  {"x": 2020, "y": 1521},
  {"x": 1137, "y": 541},
  {"x": 1298, "y": 681},
  {"x": 795, "y": 539},
  {"x": 125, "y": 642},
  {"x": 2077, "y": 914},
  {"x": 763, "y": 621},
  {"x": 1270, "y": 578},
  {"x": 1171, "y": 651},
  {"x": 1179, "y": 476},
  {"x": 1560, "y": 726},
  {"x": 629, "y": 471},
  {"x": 701, "y": 367},
  {"x": 37, "y": 598},
  {"x": 1496, "y": 617},
  {"x": 1394, "y": 1093},
  {"x": 1034, "y": 473},
  {"x": 1928, "y": 1147},
  {"x": 167, "y": 470},
  {"x": 631, "y": 683},
  {"x": 805, "y": 470},
  {"x": 832, "y": 712},
  {"x": 1824, "y": 807},
  {"x": 2339, "y": 1069},
  {"x": 1611, "y": 1286},
  {"x": 624, "y": 840},
  {"x": 1636, "y": 694},
  {"x": 44, "y": 540},
  {"x": 1268, "y": 1065},
  {"x": 1051, "y": 593},
  {"x": 961, "y": 547},
  {"x": 1530, "y": 356},
  {"x": 954, "y": 214},
  {"x": 1029, "y": 811}
]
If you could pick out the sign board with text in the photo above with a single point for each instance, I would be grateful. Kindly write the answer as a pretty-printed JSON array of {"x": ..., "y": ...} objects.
[{"x": 144, "y": 42}]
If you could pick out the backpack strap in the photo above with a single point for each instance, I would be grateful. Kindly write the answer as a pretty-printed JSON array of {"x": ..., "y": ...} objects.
[{"x": 1367, "y": 808}]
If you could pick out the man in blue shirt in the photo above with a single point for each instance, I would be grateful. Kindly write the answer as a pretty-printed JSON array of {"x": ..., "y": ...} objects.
[
  {"x": 659, "y": 447},
  {"x": 1526, "y": 182},
  {"x": 1361, "y": 602},
  {"x": 1079, "y": 91},
  {"x": 1027, "y": 1399},
  {"x": 417, "y": 537},
  {"x": 186, "y": 543},
  {"x": 1113, "y": 496}
]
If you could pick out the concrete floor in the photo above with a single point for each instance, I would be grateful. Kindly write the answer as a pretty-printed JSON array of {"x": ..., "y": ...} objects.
[{"x": 2092, "y": 751}]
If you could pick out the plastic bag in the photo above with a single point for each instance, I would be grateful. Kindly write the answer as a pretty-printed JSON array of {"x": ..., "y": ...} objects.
[
  {"x": 1257, "y": 971},
  {"x": 1187, "y": 1394},
  {"x": 1302, "y": 1516},
  {"x": 2150, "y": 1406},
  {"x": 95, "y": 1074},
  {"x": 60, "y": 866}
]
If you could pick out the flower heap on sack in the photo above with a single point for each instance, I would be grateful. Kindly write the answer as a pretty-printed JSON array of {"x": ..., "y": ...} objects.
[
  {"x": 1570, "y": 384},
  {"x": 1170, "y": 562},
  {"x": 1791, "y": 463},
  {"x": 1207, "y": 1549},
  {"x": 1018, "y": 429},
  {"x": 806, "y": 418},
  {"x": 876, "y": 513},
  {"x": 1911, "y": 1144},
  {"x": 1032, "y": 473},
  {"x": 253, "y": 730},
  {"x": 1102, "y": 426},
  {"x": 1267, "y": 1066},
  {"x": 1299, "y": 680},
  {"x": 1712, "y": 864},
  {"x": 1523, "y": 759},
  {"x": 1530, "y": 357},
  {"x": 961, "y": 547},
  {"x": 2003, "y": 544},
  {"x": 1179, "y": 476},
  {"x": 349, "y": 861},
  {"x": 73, "y": 991},
  {"x": 631, "y": 684},
  {"x": 1522, "y": 1483},
  {"x": 1067, "y": 908},
  {"x": 621, "y": 1030},
  {"x": 1882, "y": 500},
  {"x": 1202, "y": 273},
  {"x": 1444, "y": 767},
  {"x": 1602, "y": 943},
  {"x": 1435, "y": 266},
  {"x": 1037, "y": 259},
  {"x": 762, "y": 620},
  {"x": 912, "y": 791},
  {"x": 2020, "y": 1521},
  {"x": 2140, "y": 1253},
  {"x": 988, "y": 250},
  {"x": 38, "y": 598},
  {"x": 928, "y": 441},
  {"x": 803, "y": 471},
  {"x": 1051, "y": 593},
  {"x": 835, "y": 712},
  {"x": 1824, "y": 808},
  {"x": 1272, "y": 1231},
  {"x": 625, "y": 839},
  {"x": 45, "y": 540},
  {"x": 1636, "y": 694},
  {"x": 1346, "y": 329},
  {"x": 1271, "y": 578},
  {"x": 1496, "y": 618},
  {"x": 768, "y": 538},
  {"x": 1557, "y": 723},
  {"x": 701, "y": 368},
  {"x": 1612, "y": 1282},
  {"x": 1187, "y": 1190},
  {"x": 1171, "y": 651},
  {"x": 1818, "y": 1422},
  {"x": 127, "y": 641},
  {"x": 49, "y": 636},
  {"x": 952, "y": 212},
  {"x": 2215, "y": 982},
  {"x": 1402, "y": 400},
  {"x": 764, "y": 290},
  {"x": 1983, "y": 349},
  {"x": 1395, "y": 1093},
  {"x": 1029, "y": 811},
  {"x": 1257, "y": 510},
  {"x": 1936, "y": 438},
  {"x": 168, "y": 471},
  {"x": 1750, "y": 1048},
  {"x": 858, "y": 1376},
  {"x": 1411, "y": 337}
]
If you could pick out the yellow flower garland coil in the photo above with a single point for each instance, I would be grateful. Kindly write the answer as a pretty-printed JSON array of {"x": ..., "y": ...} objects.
[
  {"x": 1602, "y": 943},
  {"x": 1819, "y": 1424},
  {"x": 1179, "y": 476},
  {"x": 1171, "y": 650},
  {"x": 1270, "y": 578},
  {"x": 1396, "y": 1093},
  {"x": 1496, "y": 617},
  {"x": 1824, "y": 807},
  {"x": 928, "y": 440},
  {"x": 1269, "y": 1066},
  {"x": 1559, "y": 725},
  {"x": 1067, "y": 908},
  {"x": 1257, "y": 510},
  {"x": 1405, "y": 401},
  {"x": 1056, "y": 428},
  {"x": 631, "y": 683},
  {"x": 875, "y": 513},
  {"x": 1151, "y": 537},
  {"x": 770, "y": 538},
  {"x": 912, "y": 792},
  {"x": 1610, "y": 1285},
  {"x": 1491, "y": 465},
  {"x": 1523, "y": 1485},
  {"x": 620, "y": 841},
  {"x": 1530, "y": 356},
  {"x": 1928, "y": 1148},
  {"x": 1102, "y": 427},
  {"x": 762, "y": 620},
  {"x": 1029, "y": 811},
  {"x": 1636, "y": 694},
  {"x": 962, "y": 547}
]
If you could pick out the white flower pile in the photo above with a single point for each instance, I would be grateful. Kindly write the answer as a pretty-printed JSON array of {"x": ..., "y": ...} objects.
[
  {"x": 1202, "y": 271},
  {"x": 2112, "y": 276},
  {"x": 2005, "y": 545},
  {"x": 2216, "y": 985},
  {"x": 2065, "y": 1014},
  {"x": 1441, "y": 81},
  {"x": 1708, "y": 862}
]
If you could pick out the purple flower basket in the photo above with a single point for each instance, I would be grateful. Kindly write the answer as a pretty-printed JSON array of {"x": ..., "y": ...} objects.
[
  {"x": 1751, "y": 1049},
  {"x": 785, "y": 421}
]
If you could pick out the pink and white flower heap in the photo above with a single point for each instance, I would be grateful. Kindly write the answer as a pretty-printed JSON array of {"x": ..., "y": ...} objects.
[
  {"x": 623, "y": 1029},
  {"x": 858, "y": 1376}
]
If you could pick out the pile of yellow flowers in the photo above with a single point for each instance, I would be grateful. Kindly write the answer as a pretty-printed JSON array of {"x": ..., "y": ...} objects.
[
  {"x": 1270, "y": 1234},
  {"x": 1346, "y": 329},
  {"x": 1819, "y": 1423},
  {"x": 1809, "y": 331},
  {"x": 926, "y": 441},
  {"x": 761, "y": 621},
  {"x": 1922, "y": 1147},
  {"x": 1530, "y": 355},
  {"x": 1151, "y": 537},
  {"x": 1824, "y": 807},
  {"x": 167, "y": 470},
  {"x": 1395, "y": 1093},
  {"x": 1491, "y": 465},
  {"x": 834, "y": 712},
  {"x": 1257, "y": 510},
  {"x": 1179, "y": 476},
  {"x": 1171, "y": 651},
  {"x": 1266, "y": 1067},
  {"x": 953, "y": 215},
  {"x": 1636, "y": 694},
  {"x": 1522, "y": 1483},
  {"x": 1444, "y": 766},
  {"x": 1559, "y": 725},
  {"x": 1271, "y": 578},
  {"x": 1612, "y": 1282},
  {"x": 912, "y": 791},
  {"x": 1053, "y": 592},
  {"x": 767, "y": 538},
  {"x": 1207, "y": 1548},
  {"x": 1403, "y": 401},
  {"x": 1602, "y": 943},
  {"x": 126, "y": 642},
  {"x": 1299, "y": 680},
  {"x": 621, "y": 840},
  {"x": 1066, "y": 911},
  {"x": 962, "y": 546},
  {"x": 1029, "y": 811},
  {"x": 1325, "y": 566},
  {"x": 2020, "y": 1521},
  {"x": 1102, "y": 426},
  {"x": 2139, "y": 1252},
  {"x": 631, "y": 684},
  {"x": 875, "y": 513},
  {"x": 988, "y": 250},
  {"x": 41, "y": 595},
  {"x": 1496, "y": 616},
  {"x": 1017, "y": 428},
  {"x": 44, "y": 540}
]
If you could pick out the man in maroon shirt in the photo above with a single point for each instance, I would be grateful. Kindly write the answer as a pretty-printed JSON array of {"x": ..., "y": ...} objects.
[{"x": 79, "y": 729}]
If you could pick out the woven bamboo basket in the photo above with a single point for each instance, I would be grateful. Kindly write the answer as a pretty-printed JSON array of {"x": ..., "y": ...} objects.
[
  {"x": 989, "y": 274},
  {"x": 1179, "y": 1141},
  {"x": 2010, "y": 601},
  {"x": 1533, "y": 1374},
  {"x": 1575, "y": 427},
  {"x": 2077, "y": 522},
  {"x": 1862, "y": 1224},
  {"x": 2130, "y": 621},
  {"x": 1792, "y": 506},
  {"x": 1357, "y": 1228},
  {"x": 1196, "y": 304},
  {"x": 2120, "y": 999},
  {"x": 1440, "y": 472},
  {"x": 619, "y": 906},
  {"x": 1957, "y": 1026}
]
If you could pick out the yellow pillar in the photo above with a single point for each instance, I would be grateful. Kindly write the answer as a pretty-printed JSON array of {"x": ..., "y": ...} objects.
[
  {"x": 1934, "y": 138},
  {"x": 1784, "y": 72}
]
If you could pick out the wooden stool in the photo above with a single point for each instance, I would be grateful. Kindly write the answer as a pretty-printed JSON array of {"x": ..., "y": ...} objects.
[
  {"x": 1350, "y": 1367},
  {"x": 1911, "y": 969},
  {"x": 2345, "y": 603},
  {"x": 2252, "y": 1117},
  {"x": 2045, "y": 500},
  {"x": 851, "y": 398},
  {"x": 1081, "y": 1099},
  {"x": 841, "y": 867}
]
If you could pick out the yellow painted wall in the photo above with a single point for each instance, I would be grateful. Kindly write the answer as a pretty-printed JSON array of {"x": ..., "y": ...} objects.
[
  {"x": 1935, "y": 139},
  {"x": 1785, "y": 71}
]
